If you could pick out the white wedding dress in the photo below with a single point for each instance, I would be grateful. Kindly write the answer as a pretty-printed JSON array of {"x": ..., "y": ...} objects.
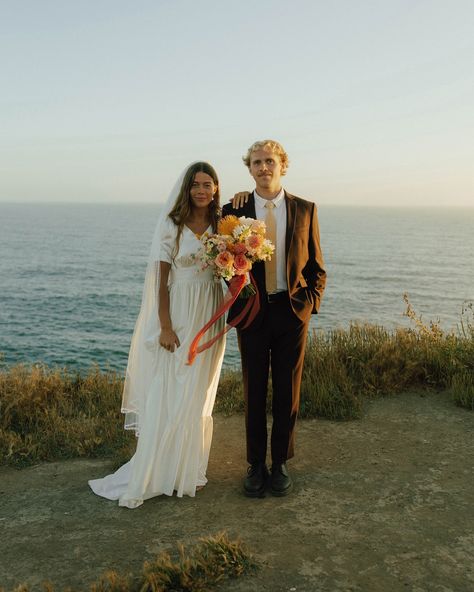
[{"x": 175, "y": 437}]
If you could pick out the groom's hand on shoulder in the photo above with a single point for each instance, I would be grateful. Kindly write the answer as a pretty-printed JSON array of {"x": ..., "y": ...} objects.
[{"x": 240, "y": 199}]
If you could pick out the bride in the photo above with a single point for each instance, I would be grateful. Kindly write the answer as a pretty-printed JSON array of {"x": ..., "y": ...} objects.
[{"x": 168, "y": 403}]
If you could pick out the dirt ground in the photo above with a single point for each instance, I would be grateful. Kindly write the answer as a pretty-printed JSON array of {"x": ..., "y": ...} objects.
[{"x": 385, "y": 503}]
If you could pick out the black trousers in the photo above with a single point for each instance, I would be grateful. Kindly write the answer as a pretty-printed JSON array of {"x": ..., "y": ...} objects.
[{"x": 278, "y": 343}]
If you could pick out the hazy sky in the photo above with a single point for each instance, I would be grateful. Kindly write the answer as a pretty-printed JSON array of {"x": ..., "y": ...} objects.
[{"x": 107, "y": 100}]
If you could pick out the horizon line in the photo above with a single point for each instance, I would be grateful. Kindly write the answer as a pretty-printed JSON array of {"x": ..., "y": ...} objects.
[{"x": 319, "y": 204}]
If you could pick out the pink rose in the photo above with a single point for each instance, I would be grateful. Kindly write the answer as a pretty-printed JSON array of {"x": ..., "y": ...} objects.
[
  {"x": 240, "y": 249},
  {"x": 224, "y": 260},
  {"x": 255, "y": 241},
  {"x": 241, "y": 264}
]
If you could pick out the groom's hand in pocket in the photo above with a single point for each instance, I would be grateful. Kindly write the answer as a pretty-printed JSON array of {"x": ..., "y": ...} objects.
[{"x": 168, "y": 339}]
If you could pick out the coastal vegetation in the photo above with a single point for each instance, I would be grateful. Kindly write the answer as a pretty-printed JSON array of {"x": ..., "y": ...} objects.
[{"x": 55, "y": 413}]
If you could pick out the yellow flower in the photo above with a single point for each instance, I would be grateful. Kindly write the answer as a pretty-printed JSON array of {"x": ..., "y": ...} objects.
[{"x": 227, "y": 224}]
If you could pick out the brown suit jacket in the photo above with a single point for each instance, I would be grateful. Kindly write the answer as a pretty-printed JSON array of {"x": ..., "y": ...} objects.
[{"x": 305, "y": 273}]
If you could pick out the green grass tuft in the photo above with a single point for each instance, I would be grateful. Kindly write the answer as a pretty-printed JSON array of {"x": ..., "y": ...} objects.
[{"x": 462, "y": 389}]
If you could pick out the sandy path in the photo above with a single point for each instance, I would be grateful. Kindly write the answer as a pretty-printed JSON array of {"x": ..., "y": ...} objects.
[{"x": 384, "y": 504}]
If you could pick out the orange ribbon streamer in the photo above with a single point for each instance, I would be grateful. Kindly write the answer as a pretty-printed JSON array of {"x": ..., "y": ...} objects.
[{"x": 250, "y": 311}]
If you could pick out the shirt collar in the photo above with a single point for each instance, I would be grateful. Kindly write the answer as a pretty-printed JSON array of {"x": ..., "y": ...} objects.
[{"x": 277, "y": 200}]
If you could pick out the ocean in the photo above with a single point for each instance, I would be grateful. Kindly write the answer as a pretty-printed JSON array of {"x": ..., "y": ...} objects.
[{"x": 71, "y": 275}]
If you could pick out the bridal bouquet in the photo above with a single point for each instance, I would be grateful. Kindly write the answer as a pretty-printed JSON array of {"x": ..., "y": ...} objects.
[{"x": 238, "y": 244}]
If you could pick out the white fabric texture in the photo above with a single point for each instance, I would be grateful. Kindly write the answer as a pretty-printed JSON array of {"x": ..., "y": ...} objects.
[
  {"x": 145, "y": 340},
  {"x": 173, "y": 418}
]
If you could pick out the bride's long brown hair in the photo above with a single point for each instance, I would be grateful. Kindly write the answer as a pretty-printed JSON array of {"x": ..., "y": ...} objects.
[{"x": 183, "y": 205}]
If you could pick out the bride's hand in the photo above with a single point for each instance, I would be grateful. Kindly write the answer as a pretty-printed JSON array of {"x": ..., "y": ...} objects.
[
  {"x": 240, "y": 199},
  {"x": 169, "y": 340}
]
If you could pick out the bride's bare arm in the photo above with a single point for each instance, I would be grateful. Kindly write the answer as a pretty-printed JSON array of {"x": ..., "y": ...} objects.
[{"x": 168, "y": 338}]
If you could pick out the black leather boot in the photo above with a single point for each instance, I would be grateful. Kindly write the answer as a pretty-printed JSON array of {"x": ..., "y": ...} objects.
[
  {"x": 280, "y": 480},
  {"x": 256, "y": 480}
]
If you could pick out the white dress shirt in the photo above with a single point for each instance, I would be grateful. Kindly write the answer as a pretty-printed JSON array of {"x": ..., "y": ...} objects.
[{"x": 280, "y": 215}]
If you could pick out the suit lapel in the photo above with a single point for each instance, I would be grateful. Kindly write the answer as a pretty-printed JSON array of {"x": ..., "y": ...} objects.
[{"x": 291, "y": 207}]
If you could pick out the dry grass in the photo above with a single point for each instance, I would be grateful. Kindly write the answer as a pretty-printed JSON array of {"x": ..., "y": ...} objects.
[
  {"x": 198, "y": 569},
  {"x": 51, "y": 414},
  {"x": 344, "y": 367},
  {"x": 48, "y": 414}
]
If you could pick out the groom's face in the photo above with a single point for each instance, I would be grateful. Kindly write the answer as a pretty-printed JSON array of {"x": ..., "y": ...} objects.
[{"x": 265, "y": 168}]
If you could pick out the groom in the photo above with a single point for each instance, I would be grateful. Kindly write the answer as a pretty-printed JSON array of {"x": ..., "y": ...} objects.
[{"x": 290, "y": 286}]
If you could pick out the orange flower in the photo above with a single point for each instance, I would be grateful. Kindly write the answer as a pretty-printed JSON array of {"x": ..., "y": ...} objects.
[
  {"x": 224, "y": 260},
  {"x": 241, "y": 264},
  {"x": 227, "y": 224},
  {"x": 254, "y": 241},
  {"x": 239, "y": 249}
]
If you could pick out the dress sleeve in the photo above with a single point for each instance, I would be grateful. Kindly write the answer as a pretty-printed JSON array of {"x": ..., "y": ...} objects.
[{"x": 167, "y": 242}]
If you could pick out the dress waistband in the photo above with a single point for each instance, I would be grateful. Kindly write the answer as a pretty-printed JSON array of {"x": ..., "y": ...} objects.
[{"x": 191, "y": 275}]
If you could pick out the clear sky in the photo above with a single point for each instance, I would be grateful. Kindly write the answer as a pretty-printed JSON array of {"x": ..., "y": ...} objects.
[{"x": 108, "y": 100}]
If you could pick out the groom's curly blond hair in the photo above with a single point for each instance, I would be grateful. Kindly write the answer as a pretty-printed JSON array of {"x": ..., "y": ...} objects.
[{"x": 272, "y": 145}]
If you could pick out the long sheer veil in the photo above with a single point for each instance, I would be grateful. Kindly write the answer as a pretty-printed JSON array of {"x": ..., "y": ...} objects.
[{"x": 144, "y": 344}]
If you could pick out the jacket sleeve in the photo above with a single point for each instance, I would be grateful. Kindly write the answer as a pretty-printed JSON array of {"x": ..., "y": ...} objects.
[
  {"x": 314, "y": 271},
  {"x": 227, "y": 209}
]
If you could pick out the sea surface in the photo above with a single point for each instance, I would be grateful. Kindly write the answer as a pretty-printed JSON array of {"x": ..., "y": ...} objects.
[{"x": 71, "y": 275}]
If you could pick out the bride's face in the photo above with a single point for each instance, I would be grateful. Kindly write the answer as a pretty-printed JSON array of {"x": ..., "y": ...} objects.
[{"x": 202, "y": 190}]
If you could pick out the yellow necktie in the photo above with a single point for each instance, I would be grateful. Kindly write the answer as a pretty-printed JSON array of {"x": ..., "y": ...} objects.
[{"x": 270, "y": 266}]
